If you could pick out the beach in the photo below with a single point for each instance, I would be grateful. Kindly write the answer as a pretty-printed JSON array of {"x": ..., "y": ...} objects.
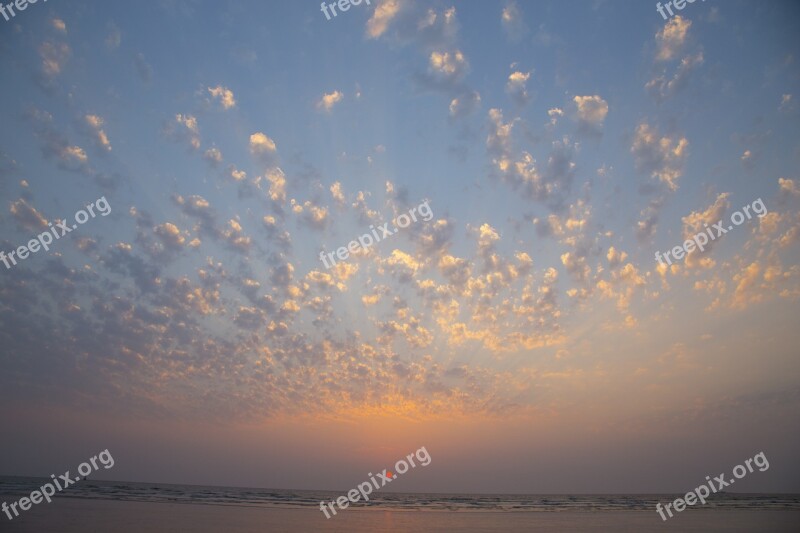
[{"x": 71, "y": 515}]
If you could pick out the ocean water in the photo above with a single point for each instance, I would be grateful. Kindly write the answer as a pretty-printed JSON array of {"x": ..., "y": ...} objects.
[{"x": 12, "y": 488}]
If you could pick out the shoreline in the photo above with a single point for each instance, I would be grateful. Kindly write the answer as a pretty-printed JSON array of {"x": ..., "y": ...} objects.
[
  {"x": 378, "y": 508},
  {"x": 78, "y": 515}
]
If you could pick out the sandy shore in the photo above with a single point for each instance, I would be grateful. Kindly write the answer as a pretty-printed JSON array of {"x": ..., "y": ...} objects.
[{"x": 66, "y": 515}]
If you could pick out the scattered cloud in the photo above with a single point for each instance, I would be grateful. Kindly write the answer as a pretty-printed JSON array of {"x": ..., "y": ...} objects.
[
  {"x": 512, "y": 21},
  {"x": 661, "y": 88},
  {"x": 329, "y": 100},
  {"x": 261, "y": 144},
  {"x": 213, "y": 156},
  {"x": 516, "y": 87},
  {"x": 224, "y": 96},
  {"x": 671, "y": 39},
  {"x": 661, "y": 157},
  {"x": 382, "y": 17},
  {"x": 591, "y": 112},
  {"x": 58, "y": 25},
  {"x": 184, "y": 128},
  {"x": 27, "y": 217},
  {"x": 95, "y": 123}
]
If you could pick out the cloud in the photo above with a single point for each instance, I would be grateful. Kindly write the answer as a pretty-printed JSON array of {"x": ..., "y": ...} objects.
[
  {"x": 170, "y": 236},
  {"x": 224, "y": 96},
  {"x": 338, "y": 194},
  {"x": 550, "y": 183},
  {"x": 591, "y": 112},
  {"x": 261, "y": 145},
  {"x": 498, "y": 141},
  {"x": 400, "y": 266},
  {"x": 86, "y": 245},
  {"x": 121, "y": 260},
  {"x": 513, "y": 24},
  {"x": 95, "y": 123},
  {"x": 646, "y": 227},
  {"x": 250, "y": 318},
  {"x": 615, "y": 257},
  {"x": 382, "y": 16},
  {"x": 314, "y": 216},
  {"x": 74, "y": 153},
  {"x": 455, "y": 269},
  {"x": 412, "y": 22},
  {"x": 27, "y": 217},
  {"x": 365, "y": 214},
  {"x": 434, "y": 34},
  {"x": 661, "y": 89},
  {"x": 788, "y": 187},
  {"x": 787, "y": 104},
  {"x": 747, "y": 158},
  {"x": 70, "y": 157},
  {"x": 184, "y": 128},
  {"x": 697, "y": 222},
  {"x": 554, "y": 114},
  {"x": 747, "y": 286},
  {"x": 236, "y": 174},
  {"x": 234, "y": 237},
  {"x": 591, "y": 109},
  {"x": 55, "y": 145},
  {"x": 277, "y": 185},
  {"x": 54, "y": 56},
  {"x": 328, "y": 100},
  {"x": 516, "y": 87},
  {"x": 464, "y": 104},
  {"x": 276, "y": 234},
  {"x": 447, "y": 67},
  {"x": 282, "y": 276},
  {"x": 200, "y": 209},
  {"x": 672, "y": 37},
  {"x": 576, "y": 266},
  {"x": 213, "y": 156},
  {"x": 435, "y": 238},
  {"x": 660, "y": 157},
  {"x": 58, "y": 25}
]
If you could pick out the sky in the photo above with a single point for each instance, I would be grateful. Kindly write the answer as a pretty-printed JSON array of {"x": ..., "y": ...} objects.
[{"x": 524, "y": 332}]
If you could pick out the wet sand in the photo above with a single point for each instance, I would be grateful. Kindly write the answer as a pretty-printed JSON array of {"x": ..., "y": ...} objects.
[{"x": 67, "y": 515}]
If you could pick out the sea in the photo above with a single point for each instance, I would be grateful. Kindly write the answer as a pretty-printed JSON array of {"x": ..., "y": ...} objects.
[{"x": 12, "y": 488}]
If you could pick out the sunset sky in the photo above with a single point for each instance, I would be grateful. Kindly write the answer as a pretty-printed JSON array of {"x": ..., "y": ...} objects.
[{"x": 526, "y": 335}]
